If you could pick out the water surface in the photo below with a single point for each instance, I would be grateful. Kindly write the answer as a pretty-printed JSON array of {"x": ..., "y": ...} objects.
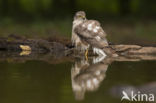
[{"x": 37, "y": 81}]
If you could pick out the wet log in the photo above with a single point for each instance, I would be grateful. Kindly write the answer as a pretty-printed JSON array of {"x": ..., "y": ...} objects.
[
  {"x": 56, "y": 50},
  {"x": 34, "y": 45},
  {"x": 134, "y": 50},
  {"x": 64, "y": 47}
]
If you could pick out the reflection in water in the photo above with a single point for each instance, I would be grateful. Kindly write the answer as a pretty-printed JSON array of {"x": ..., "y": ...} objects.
[
  {"x": 87, "y": 76},
  {"x": 35, "y": 81}
]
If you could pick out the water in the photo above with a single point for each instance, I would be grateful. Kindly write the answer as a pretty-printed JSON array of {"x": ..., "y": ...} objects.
[{"x": 35, "y": 81}]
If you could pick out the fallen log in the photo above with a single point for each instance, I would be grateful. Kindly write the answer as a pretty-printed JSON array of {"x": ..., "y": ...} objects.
[
  {"x": 134, "y": 50},
  {"x": 14, "y": 56},
  {"x": 57, "y": 47},
  {"x": 20, "y": 49},
  {"x": 37, "y": 45}
]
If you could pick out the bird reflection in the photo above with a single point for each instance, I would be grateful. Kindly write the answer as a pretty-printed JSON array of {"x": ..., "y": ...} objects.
[{"x": 87, "y": 76}]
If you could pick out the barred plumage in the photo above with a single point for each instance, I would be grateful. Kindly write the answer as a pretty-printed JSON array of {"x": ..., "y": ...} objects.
[{"x": 86, "y": 33}]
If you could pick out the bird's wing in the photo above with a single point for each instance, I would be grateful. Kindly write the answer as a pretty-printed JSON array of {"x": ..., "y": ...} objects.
[{"x": 91, "y": 30}]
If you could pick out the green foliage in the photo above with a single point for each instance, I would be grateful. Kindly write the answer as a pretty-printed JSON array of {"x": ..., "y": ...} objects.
[
  {"x": 29, "y": 5},
  {"x": 105, "y": 6},
  {"x": 135, "y": 5},
  {"x": 51, "y": 7},
  {"x": 46, "y": 4}
]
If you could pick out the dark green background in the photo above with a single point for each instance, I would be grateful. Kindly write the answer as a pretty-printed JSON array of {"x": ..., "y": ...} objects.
[
  {"x": 125, "y": 21},
  {"x": 61, "y": 8}
]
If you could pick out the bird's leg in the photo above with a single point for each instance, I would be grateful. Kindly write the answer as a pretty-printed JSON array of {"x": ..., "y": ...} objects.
[{"x": 86, "y": 54}]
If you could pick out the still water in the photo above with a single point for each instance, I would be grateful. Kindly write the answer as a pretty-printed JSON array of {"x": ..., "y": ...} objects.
[{"x": 80, "y": 81}]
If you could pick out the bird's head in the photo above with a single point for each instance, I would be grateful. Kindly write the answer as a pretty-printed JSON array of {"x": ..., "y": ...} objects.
[{"x": 80, "y": 15}]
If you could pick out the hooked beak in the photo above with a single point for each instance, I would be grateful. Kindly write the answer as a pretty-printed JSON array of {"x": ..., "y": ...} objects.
[{"x": 83, "y": 17}]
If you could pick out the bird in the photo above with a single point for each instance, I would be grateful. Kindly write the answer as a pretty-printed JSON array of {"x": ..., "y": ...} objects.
[
  {"x": 89, "y": 33},
  {"x": 87, "y": 76}
]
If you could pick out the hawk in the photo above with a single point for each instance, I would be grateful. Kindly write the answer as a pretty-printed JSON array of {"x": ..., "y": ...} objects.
[
  {"x": 87, "y": 76},
  {"x": 86, "y": 33}
]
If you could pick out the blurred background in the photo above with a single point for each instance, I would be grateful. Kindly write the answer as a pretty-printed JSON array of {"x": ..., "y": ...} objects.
[{"x": 125, "y": 21}]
